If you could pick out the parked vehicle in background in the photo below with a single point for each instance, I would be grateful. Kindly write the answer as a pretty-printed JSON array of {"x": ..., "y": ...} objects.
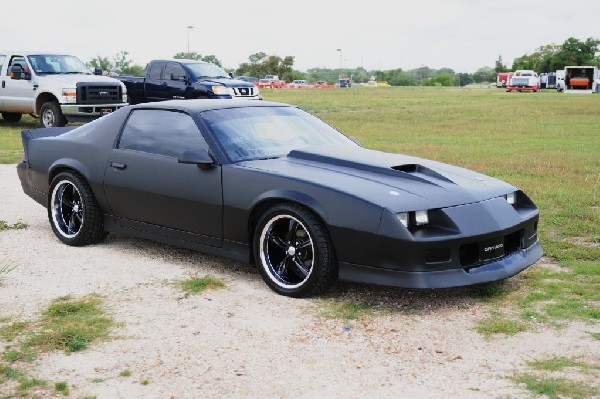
[
  {"x": 560, "y": 80},
  {"x": 581, "y": 79},
  {"x": 523, "y": 80},
  {"x": 345, "y": 82},
  {"x": 299, "y": 84},
  {"x": 249, "y": 79},
  {"x": 321, "y": 84},
  {"x": 271, "y": 83},
  {"x": 550, "y": 79},
  {"x": 501, "y": 79},
  {"x": 184, "y": 80},
  {"x": 59, "y": 88}
]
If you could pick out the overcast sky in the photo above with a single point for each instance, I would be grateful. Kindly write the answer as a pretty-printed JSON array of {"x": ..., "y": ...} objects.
[{"x": 460, "y": 34}]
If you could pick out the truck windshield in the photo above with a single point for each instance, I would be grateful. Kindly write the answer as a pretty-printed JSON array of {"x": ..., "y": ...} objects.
[
  {"x": 207, "y": 71},
  {"x": 57, "y": 64}
]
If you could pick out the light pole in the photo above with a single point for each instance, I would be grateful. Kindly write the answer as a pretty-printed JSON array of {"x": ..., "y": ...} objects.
[
  {"x": 188, "y": 37},
  {"x": 341, "y": 65}
]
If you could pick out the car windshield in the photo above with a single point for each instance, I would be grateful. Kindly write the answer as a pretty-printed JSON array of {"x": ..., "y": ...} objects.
[
  {"x": 250, "y": 133},
  {"x": 57, "y": 64},
  {"x": 207, "y": 70}
]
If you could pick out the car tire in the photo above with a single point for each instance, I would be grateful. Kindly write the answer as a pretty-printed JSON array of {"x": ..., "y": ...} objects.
[
  {"x": 73, "y": 212},
  {"x": 51, "y": 115},
  {"x": 11, "y": 116},
  {"x": 293, "y": 251}
]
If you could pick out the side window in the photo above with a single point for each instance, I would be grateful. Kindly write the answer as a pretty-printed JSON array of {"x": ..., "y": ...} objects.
[
  {"x": 161, "y": 132},
  {"x": 174, "y": 71},
  {"x": 2, "y": 58},
  {"x": 17, "y": 59},
  {"x": 155, "y": 69}
]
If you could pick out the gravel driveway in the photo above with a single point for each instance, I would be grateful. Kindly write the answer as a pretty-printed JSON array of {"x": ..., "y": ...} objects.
[{"x": 247, "y": 342}]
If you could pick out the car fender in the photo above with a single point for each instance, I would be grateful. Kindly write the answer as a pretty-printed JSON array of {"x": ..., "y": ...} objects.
[
  {"x": 67, "y": 163},
  {"x": 282, "y": 195}
]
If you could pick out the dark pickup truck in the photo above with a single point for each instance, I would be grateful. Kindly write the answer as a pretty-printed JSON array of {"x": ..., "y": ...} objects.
[{"x": 185, "y": 79}]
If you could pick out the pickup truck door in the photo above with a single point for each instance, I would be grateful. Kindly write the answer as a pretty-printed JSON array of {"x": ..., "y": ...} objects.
[
  {"x": 17, "y": 94},
  {"x": 148, "y": 189},
  {"x": 153, "y": 81},
  {"x": 174, "y": 79}
]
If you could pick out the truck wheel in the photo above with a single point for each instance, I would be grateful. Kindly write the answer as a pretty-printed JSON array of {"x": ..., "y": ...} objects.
[
  {"x": 11, "y": 116},
  {"x": 51, "y": 115}
]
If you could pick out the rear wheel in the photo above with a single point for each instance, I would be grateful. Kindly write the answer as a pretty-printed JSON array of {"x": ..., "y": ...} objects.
[
  {"x": 293, "y": 252},
  {"x": 51, "y": 115},
  {"x": 73, "y": 212},
  {"x": 11, "y": 116}
]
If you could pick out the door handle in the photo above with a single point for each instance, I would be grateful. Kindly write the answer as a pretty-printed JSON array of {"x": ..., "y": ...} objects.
[
  {"x": 3, "y": 84},
  {"x": 118, "y": 165}
]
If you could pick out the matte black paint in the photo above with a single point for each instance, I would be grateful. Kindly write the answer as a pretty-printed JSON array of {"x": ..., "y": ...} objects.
[{"x": 356, "y": 192}]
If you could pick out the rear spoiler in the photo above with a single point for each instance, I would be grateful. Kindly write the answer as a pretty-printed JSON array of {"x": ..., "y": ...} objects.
[{"x": 31, "y": 134}]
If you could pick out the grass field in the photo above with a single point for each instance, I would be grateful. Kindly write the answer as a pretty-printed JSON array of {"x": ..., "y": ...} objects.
[{"x": 548, "y": 144}]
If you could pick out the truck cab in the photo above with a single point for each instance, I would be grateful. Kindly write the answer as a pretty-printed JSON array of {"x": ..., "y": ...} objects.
[
  {"x": 186, "y": 79},
  {"x": 59, "y": 88}
]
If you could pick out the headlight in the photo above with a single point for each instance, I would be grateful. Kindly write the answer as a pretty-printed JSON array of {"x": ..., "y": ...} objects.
[
  {"x": 511, "y": 198},
  {"x": 69, "y": 95},
  {"x": 221, "y": 90},
  {"x": 421, "y": 218},
  {"x": 403, "y": 218},
  {"x": 413, "y": 218}
]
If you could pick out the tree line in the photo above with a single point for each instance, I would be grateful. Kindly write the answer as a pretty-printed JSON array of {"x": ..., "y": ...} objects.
[{"x": 547, "y": 58}]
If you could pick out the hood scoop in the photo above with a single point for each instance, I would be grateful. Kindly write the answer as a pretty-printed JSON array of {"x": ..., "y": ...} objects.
[
  {"x": 370, "y": 161},
  {"x": 416, "y": 169}
]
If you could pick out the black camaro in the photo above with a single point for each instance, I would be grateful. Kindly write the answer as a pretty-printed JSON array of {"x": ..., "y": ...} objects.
[{"x": 270, "y": 183}]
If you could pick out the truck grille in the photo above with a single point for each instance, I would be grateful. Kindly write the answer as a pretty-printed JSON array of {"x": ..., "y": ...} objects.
[
  {"x": 243, "y": 92},
  {"x": 89, "y": 93}
]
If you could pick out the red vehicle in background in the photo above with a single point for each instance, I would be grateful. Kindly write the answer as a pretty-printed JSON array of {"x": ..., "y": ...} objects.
[
  {"x": 502, "y": 79},
  {"x": 271, "y": 82},
  {"x": 321, "y": 84}
]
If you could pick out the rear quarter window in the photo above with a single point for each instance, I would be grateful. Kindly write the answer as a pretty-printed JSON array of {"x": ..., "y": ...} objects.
[{"x": 161, "y": 132}]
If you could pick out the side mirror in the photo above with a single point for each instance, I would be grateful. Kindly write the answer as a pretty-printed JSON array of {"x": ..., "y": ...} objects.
[
  {"x": 231, "y": 75},
  {"x": 17, "y": 72},
  {"x": 98, "y": 71},
  {"x": 199, "y": 157}
]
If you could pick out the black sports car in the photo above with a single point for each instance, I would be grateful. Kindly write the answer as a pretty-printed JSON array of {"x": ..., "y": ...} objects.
[{"x": 269, "y": 183}]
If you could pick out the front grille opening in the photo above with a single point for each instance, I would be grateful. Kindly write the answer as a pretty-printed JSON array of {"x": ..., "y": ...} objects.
[
  {"x": 437, "y": 255},
  {"x": 513, "y": 242},
  {"x": 469, "y": 254}
]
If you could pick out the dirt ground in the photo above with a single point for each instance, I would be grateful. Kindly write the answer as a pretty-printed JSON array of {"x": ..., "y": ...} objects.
[{"x": 247, "y": 342}]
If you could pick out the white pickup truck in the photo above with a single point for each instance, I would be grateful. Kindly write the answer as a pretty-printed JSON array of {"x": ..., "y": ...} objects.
[{"x": 56, "y": 87}]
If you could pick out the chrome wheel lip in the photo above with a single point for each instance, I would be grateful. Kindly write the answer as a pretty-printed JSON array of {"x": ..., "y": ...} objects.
[
  {"x": 57, "y": 206},
  {"x": 292, "y": 250}
]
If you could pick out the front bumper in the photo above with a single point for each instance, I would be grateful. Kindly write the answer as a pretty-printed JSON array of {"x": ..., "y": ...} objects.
[
  {"x": 494, "y": 271},
  {"x": 86, "y": 112}
]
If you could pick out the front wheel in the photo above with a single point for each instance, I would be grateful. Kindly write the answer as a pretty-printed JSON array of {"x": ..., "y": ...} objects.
[
  {"x": 51, "y": 115},
  {"x": 73, "y": 212},
  {"x": 11, "y": 116},
  {"x": 293, "y": 251}
]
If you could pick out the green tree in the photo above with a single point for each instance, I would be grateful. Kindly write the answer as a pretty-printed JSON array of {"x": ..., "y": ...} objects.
[
  {"x": 198, "y": 57},
  {"x": 500, "y": 67},
  {"x": 102, "y": 62},
  {"x": 261, "y": 64}
]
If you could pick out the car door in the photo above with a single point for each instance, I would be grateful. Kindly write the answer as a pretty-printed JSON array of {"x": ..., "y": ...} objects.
[
  {"x": 148, "y": 189},
  {"x": 17, "y": 94}
]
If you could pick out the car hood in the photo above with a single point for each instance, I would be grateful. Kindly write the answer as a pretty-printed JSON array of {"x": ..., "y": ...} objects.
[
  {"x": 225, "y": 82},
  {"x": 394, "y": 181},
  {"x": 72, "y": 80}
]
